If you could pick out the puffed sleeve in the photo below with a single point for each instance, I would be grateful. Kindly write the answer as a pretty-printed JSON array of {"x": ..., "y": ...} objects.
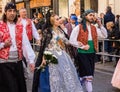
[
  {"x": 28, "y": 52},
  {"x": 35, "y": 32},
  {"x": 73, "y": 37}
]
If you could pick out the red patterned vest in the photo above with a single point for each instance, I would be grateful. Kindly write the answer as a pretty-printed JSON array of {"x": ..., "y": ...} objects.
[
  {"x": 83, "y": 36},
  {"x": 28, "y": 28},
  {"x": 5, "y": 35}
]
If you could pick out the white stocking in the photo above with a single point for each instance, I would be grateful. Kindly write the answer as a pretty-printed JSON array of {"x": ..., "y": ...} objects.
[{"x": 88, "y": 85}]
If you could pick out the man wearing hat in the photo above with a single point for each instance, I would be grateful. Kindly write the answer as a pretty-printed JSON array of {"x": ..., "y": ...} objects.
[
  {"x": 13, "y": 41},
  {"x": 84, "y": 37}
]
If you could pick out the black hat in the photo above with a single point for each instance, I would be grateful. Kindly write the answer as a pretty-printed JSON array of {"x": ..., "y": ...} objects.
[{"x": 10, "y": 5}]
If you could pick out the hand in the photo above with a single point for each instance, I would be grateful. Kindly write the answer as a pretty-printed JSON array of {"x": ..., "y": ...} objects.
[
  {"x": 32, "y": 67},
  {"x": 7, "y": 43},
  {"x": 99, "y": 22},
  {"x": 43, "y": 62},
  {"x": 38, "y": 42},
  {"x": 80, "y": 44},
  {"x": 86, "y": 47}
]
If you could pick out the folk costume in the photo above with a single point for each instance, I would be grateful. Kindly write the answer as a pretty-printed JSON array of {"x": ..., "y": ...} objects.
[
  {"x": 30, "y": 28},
  {"x": 11, "y": 68},
  {"x": 85, "y": 58},
  {"x": 60, "y": 77},
  {"x": 31, "y": 32},
  {"x": 70, "y": 27}
]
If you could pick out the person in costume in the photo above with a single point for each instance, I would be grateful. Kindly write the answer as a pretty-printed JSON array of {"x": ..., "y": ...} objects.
[
  {"x": 84, "y": 37},
  {"x": 28, "y": 25},
  {"x": 70, "y": 26},
  {"x": 13, "y": 42},
  {"x": 73, "y": 22},
  {"x": 31, "y": 32},
  {"x": 59, "y": 77}
]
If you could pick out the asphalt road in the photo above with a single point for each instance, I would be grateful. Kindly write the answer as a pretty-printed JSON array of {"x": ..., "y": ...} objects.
[{"x": 101, "y": 83}]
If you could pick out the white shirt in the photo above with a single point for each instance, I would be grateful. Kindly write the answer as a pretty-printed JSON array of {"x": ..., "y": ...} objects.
[
  {"x": 75, "y": 32},
  {"x": 102, "y": 32},
  {"x": 89, "y": 32},
  {"x": 26, "y": 46},
  {"x": 12, "y": 36},
  {"x": 73, "y": 25},
  {"x": 73, "y": 37},
  {"x": 34, "y": 30}
]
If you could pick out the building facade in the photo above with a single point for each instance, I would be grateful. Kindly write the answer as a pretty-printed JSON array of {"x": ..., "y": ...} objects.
[
  {"x": 63, "y": 7},
  {"x": 2, "y": 5},
  {"x": 98, "y": 5},
  {"x": 67, "y": 7},
  {"x": 113, "y": 3}
]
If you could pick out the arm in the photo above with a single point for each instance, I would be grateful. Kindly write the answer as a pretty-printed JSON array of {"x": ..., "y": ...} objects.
[
  {"x": 28, "y": 52},
  {"x": 73, "y": 38},
  {"x": 4, "y": 44},
  {"x": 101, "y": 32},
  {"x": 35, "y": 32}
]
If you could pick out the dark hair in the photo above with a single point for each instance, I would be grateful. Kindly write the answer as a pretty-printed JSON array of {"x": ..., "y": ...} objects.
[
  {"x": 83, "y": 22},
  {"x": 5, "y": 19},
  {"x": 9, "y": 5},
  {"x": 117, "y": 16},
  {"x": 36, "y": 14},
  {"x": 109, "y": 9},
  {"x": 48, "y": 23}
]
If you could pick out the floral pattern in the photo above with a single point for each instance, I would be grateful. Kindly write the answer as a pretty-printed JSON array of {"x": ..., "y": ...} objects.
[{"x": 63, "y": 76}]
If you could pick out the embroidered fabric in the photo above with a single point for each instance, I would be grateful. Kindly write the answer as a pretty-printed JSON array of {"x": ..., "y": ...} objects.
[
  {"x": 13, "y": 57},
  {"x": 63, "y": 76},
  {"x": 57, "y": 42}
]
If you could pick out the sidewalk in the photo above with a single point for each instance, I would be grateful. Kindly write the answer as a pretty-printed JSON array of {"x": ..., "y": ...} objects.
[{"x": 106, "y": 67}]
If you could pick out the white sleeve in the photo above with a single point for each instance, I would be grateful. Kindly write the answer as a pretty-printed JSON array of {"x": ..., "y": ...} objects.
[
  {"x": 101, "y": 32},
  {"x": 35, "y": 32},
  {"x": 66, "y": 31},
  {"x": 2, "y": 45},
  {"x": 73, "y": 37},
  {"x": 28, "y": 52}
]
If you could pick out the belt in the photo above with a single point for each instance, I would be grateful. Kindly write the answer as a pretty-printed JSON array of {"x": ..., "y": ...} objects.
[{"x": 13, "y": 57}]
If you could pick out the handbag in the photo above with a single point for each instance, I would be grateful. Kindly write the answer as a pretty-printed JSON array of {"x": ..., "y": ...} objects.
[{"x": 116, "y": 76}]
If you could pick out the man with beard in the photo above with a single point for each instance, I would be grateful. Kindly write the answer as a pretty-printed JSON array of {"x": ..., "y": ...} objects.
[
  {"x": 13, "y": 41},
  {"x": 84, "y": 37}
]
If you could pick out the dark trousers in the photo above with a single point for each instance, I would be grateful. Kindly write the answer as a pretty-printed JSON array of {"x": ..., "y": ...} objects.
[
  {"x": 12, "y": 77},
  {"x": 86, "y": 64}
]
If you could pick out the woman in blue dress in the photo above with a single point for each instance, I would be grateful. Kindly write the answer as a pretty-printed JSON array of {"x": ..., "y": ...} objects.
[{"x": 59, "y": 77}]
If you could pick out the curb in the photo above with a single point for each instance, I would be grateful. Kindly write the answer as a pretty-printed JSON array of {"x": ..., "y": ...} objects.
[{"x": 104, "y": 70}]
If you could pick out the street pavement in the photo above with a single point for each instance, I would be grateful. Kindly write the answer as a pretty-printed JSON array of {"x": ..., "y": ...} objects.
[
  {"x": 102, "y": 79},
  {"x": 102, "y": 82}
]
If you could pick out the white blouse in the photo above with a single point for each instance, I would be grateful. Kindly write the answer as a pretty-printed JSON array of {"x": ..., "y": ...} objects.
[
  {"x": 101, "y": 33},
  {"x": 34, "y": 30},
  {"x": 26, "y": 46}
]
